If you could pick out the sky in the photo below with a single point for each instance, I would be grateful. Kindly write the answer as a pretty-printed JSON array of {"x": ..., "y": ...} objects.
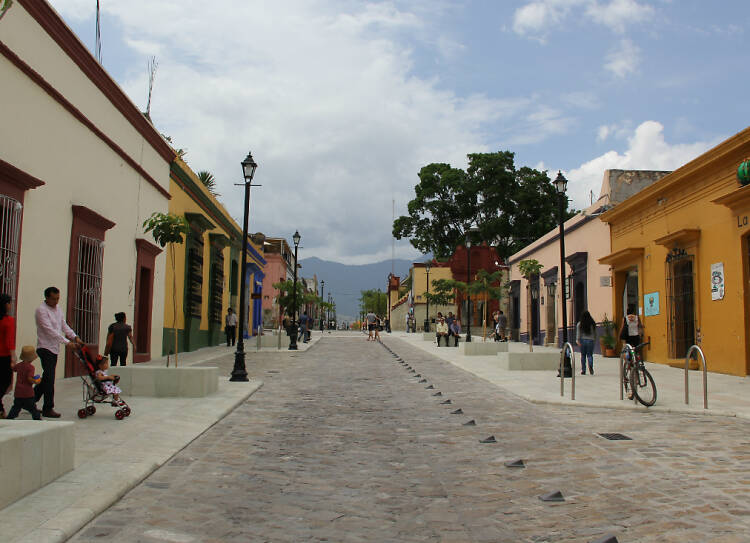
[{"x": 343, "y": 101}]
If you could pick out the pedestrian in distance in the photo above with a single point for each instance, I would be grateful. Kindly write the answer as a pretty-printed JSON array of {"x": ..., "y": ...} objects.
[
  {"x": 370, "y": 318},
  {"x": 304, "y": 324},
  {"x": 441, "y": 330},
  {"x": 118, "y": 334},
  {"x": 586, "y": 339},
  {"x": 378, "y": 328},
  {"x": 51, "y": 331},
  {"x": 631, "y": 328},
  {"x": 502, "y": 326},
  {"x": 26, "y": 377},
  {"x": 7, "y": 348},
  {"x": 230, "y": 326}
]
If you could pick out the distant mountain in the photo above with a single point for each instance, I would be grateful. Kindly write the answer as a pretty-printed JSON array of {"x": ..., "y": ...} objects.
[{"x": 345, "y": 282}]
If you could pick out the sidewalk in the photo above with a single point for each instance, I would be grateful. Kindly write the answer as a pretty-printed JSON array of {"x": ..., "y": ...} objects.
[
  {"x": 727, "y": 395},
  {"x": 112, "y": 456}
]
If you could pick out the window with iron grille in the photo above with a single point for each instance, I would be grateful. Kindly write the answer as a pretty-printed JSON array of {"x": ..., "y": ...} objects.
[
  {"x": 195, "y": 276},
  {"x": 10, "y": 231},
  {"x": 88, "y": 288},
  {"x": 217, "y": 285},
  {"x": 680, "y": 302}
]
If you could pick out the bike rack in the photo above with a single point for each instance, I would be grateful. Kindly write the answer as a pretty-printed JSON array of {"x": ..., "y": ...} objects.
[
  {"x": 568, "y": 347},
  {"x": 705, "y": 375},
  {"x": 629, "y": 348}
]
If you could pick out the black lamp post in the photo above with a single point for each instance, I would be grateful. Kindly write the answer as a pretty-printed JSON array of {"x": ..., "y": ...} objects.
[
  {"x": 322, "y": 299},
  {"x": 239, "y": 373},
  {"x": 427, "y": 318},
  {"x": 293, "y": 336},
  {"x": 561, "y": 184},
  {"x": 471, "y": 231},
  {"x": 328, "y": 312}
]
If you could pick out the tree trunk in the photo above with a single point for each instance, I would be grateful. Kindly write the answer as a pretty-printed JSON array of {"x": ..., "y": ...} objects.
[{"x": 528, "y": 318}]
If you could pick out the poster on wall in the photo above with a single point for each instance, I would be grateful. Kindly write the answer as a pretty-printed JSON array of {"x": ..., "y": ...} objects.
[
  {"x": 651, "y": 304},
  {"x": 717, "y": 281}
]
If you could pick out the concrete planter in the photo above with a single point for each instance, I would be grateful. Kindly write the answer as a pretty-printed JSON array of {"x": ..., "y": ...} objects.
[
  {"x": 32, "y": 454},
  {"x": 162, "y": 382},
  {"x": 483, "y": 348},
  {"x": 538, "y": 361},
  {"x": 428, "y": 336}
]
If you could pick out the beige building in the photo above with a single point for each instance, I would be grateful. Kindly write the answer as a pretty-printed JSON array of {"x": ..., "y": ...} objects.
[
  {"x": 81, "y": 168},
  {"x": 588, "y": 284}
]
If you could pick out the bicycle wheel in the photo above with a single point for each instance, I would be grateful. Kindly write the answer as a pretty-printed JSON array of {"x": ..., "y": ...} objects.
[{"x": 643, "y": 386}]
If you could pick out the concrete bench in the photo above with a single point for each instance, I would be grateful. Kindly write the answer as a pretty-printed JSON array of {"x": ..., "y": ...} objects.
[
  {"x": 484, "y": 348},
  {"x": 32, "y": 454},
  {"x": 163, "y": 382},
  {"x": 536, "y": 361}
]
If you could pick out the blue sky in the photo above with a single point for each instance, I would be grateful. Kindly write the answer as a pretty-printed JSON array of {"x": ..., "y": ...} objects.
[{"x": 342, "y": 101}]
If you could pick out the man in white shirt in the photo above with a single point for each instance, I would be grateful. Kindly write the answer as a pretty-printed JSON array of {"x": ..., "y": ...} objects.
[
  {"x": 51, "y": 330},
  {"x": 230, "y": 326}
]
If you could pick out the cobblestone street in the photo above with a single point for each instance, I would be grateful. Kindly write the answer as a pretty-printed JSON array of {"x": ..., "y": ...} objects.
[{"x": 343, "y": 443}]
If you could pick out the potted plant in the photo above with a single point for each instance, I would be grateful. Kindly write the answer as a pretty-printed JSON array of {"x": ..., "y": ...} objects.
[{"x": 608, "y": 341}]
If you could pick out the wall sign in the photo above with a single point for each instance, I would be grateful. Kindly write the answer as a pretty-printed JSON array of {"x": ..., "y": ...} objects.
[
  {"x": 717, "y": 281},
  {"x": 651, "y": 304}
]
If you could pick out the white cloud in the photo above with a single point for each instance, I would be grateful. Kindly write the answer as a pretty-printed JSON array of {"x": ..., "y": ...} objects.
[
  {"x": 647, "y": 150},
  {"x": 624, "y": 60},
  {"x": 324, "y": 95},
  {"x": 536, "y": 17},
  {"x": 617, "y": 14},
  {"x": 603, "y": 132}
]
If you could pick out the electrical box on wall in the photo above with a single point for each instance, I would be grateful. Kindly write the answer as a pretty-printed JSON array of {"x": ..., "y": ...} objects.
[{"x": 605, "y": 281}]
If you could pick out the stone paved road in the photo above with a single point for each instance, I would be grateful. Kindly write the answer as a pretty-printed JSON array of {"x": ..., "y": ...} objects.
[{"x": 343, "y": 444}]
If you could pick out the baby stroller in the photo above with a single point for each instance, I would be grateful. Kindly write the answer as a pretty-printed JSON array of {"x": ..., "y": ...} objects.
[{"x": 92, "y": 388}]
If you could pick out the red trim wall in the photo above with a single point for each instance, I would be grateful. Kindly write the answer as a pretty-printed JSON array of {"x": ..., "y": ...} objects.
[
  {"x": 146, "y": 259},
  {"x": 51, "y": 22},
  {"x": 86, "y": 222},
  {"x": 75, "y": 112}
]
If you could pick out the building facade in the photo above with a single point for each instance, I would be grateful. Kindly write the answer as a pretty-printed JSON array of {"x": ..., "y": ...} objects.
[
  {"x": 279, "y": 267},
  {"x": 81, "y": 168},
  {"x": 680, "y": 256}
]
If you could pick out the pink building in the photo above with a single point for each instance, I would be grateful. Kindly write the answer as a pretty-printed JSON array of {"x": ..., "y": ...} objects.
[{"x": 279, "y": 267}]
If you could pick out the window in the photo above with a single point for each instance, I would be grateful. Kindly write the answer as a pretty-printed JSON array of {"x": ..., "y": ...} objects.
[
  {"x": 217, "y": 285},
  {"x": 88, "y": 288},
  {"x": 681, "y": 302},
  {"x": 195, "y": 276},
  {"x": 10, "y": 233}
]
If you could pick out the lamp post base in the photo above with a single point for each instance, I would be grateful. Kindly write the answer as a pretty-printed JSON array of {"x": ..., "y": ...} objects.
[{"x": 239, "y": 373}]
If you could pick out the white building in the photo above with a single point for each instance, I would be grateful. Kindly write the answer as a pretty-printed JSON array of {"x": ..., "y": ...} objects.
[{"x": 81, "y": 168}]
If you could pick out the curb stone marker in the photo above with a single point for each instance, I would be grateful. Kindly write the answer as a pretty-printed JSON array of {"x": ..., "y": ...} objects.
[
  {"x": 555, "y": 496},
  {"x": 609, "y": 538},
  {"x": 515, "y": 464},
  {"x": 430, "y": 387},
  {"x": 490, "y": 439},
  {"x": 446, "y": 402},
  {"x": 458, "y": 411},
  {"x": 438, "y": 394},
  {"x": 423, "y": 380},
  {"x": 472, "y": 422}
]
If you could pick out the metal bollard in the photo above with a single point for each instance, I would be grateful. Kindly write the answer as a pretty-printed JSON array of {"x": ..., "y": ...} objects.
[
  {"x": 569, "y": 347},
  {"x": 705, "y": 375}
]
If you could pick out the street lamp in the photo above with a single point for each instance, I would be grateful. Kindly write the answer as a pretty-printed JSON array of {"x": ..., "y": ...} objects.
[
  {"x": 473, "y": 230},
  {"x": 561, "y": 184},
  {"x": 293, "y": 338},
  {"x": 239, "y": 373},
  {"x": 427, "y": 266},
  {"x": 328, "y": 312},
  {"x": 322, "y": 299}
]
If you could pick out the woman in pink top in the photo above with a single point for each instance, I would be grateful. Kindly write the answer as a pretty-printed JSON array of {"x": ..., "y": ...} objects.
[{"x": 7, "y": 348}]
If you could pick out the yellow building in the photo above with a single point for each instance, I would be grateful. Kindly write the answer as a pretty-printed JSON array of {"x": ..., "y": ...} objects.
[
  {"x": 207, "y": 268},
  {"x": 400, "y": 308},
  {"x": 680, "y": 256}
]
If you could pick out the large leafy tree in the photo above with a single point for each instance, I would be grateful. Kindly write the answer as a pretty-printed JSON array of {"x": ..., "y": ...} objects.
[
  {"x": 373, "y": 300},
  {"x": 512, "y": 207}
]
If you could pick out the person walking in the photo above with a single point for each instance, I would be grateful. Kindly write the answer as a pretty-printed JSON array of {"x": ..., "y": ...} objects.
[
  {"x": 118, "y": 334},
  {"x": 24, "y": 394},
  {"x": 230, "y": 326},
  {"x": 502, "y": 326},
  {"x": 7, "y": 348},
  {"x": 51, "y": 330},
  {"x": 371, "y": 318},
  {"x": 586, "y": 338},
  {"x": 304, "y": 324}
]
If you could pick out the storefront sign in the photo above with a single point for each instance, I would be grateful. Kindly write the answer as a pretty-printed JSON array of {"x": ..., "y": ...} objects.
[
  {"x": 717, "y": 281},
  {"x": 742, "y": 221},
  {"x": 651, "y": 304}
]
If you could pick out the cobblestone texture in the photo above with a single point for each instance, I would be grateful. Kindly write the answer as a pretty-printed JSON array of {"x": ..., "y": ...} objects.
[{"x": 343, "y": 444}]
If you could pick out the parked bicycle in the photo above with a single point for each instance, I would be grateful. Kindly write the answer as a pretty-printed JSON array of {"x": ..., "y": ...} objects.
[{"x": 637, "y": 379}]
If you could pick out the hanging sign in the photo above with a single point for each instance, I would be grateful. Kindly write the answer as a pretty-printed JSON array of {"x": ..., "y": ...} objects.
[
  {"x": 650, "y": 304},
  {"x": 717, "y": 281}
]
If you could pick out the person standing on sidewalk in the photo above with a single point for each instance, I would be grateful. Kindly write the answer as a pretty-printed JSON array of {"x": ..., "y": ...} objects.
[
  {"x": 7, "y": 348},
  {"x": 118, "y": 334},
  {"x": 51, "y": 330},
  {"x": 586, "y": 337},
  {"x": 230, "y": 326},
  {"x": 24, "y": 395}
]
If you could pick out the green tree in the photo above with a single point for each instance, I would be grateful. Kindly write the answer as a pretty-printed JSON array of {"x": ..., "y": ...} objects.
[
  {"x": 487, "y": 285},
  {"x": 444, "y": 291},
  {"x": 529, "y": 269},
  {"x": 373, "y": 300},
  {"x": 168, "y": 229},
  {"x": 512, "y": 207},
  {"x": 286, "y": 298},
  {"x": 208, "y": 179}
]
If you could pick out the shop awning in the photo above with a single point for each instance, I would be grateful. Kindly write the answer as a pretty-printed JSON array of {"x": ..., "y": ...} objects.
[
  {"x": 681, "y": 237},
  {"x": 623, "y": 256}
]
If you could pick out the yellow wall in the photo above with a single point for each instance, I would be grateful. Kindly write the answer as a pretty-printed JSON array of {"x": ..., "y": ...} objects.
[
  {"x": 678, "y": 205},
  {"x": 419, "y": 280}
]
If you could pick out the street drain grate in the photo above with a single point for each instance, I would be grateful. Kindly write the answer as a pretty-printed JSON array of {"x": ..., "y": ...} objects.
[{"x": 616, "y": 437}]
